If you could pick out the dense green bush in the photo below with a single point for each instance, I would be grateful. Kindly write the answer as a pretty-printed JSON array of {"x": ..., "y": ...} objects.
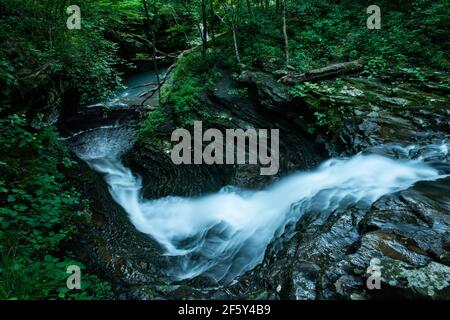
[
  {"x": 328, "y": 117},
  {"x": 39, "y": 212},
  {"x": 34, "y": 35},
  {"x": 193, "y": 75},
  {"x": 324, "y": 31}
]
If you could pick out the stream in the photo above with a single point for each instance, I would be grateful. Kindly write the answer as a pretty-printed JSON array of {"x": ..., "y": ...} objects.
[{"x": 224, "y": 234}]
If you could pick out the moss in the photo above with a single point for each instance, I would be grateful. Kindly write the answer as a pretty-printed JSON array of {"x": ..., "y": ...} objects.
[{"x": 432, "y": 280}]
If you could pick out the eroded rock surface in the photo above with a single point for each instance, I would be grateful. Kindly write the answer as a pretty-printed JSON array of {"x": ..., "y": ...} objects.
[{"x": 406, "y": 234}]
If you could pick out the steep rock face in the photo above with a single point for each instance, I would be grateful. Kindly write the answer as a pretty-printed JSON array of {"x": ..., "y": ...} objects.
[
  {"x": 386, "y": 113},
  {"x": 163, "y": 178},
  {"x": 405, "y": 235},
  {"x": 108, "y": 244},
  {"x": 150, "y": 157},
  {"x": 101, "y": 115}
]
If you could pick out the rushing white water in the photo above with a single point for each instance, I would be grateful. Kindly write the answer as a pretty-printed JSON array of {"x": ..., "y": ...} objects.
[{"x": 224, "y": 234}]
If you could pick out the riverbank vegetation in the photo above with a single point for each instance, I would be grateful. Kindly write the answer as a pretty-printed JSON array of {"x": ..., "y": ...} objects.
[
  {"x": 319, "y": 33},
  {"x": 39, "y": 214}
]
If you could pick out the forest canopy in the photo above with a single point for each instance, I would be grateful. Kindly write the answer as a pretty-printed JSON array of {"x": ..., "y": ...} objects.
[{"x": 263, "y": 33}]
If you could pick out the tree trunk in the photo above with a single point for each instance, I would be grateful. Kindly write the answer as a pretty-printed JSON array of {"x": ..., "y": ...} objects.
[
  {"x": 331, "y": 71},
  {"x": 236, "y": 47},
  {"x": 285, "y": 35},
  {"x": 155, "y": 63},
  {"x": 249, "y": 7},
  {"x": 204, "y": 34},
  {"x": 211, "y": 23},
  {"x": 147, "y": 31}
]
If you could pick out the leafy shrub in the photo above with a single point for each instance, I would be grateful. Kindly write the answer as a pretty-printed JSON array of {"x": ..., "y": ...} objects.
[
  {"x": 243, "y": 92},
  {"x": 375, "y": 66},
  {"x": 328, "y": 116},
  {"x": 34, "y": 36},
  {"x": 302, "y": 90},
  {"x": 192, "y": 76},
  {"x": 154, "y": 120}
]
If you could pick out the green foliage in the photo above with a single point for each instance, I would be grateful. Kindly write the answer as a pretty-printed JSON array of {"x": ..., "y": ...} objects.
[
  {"x": 411, "y": 75},
  {"x": 320, "y": 32},
  {"x": 34, "y": 35},
  {"x": 302, "y": 90},
  {"x": 8, "y": 79},
  {"x": 328, "y": 116},
  {"x": 44, "y": 278},
  {"x": 154, "y": 120},
  {"x": 92, "y": 70},
  {"x": 192, "y": 76},
  {"x": 38, "y": 214},
  {"x": 242, "y": 92},
  {"x": 375, "y": 67}
]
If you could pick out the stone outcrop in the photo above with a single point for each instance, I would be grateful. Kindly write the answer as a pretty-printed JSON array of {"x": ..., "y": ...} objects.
[{"x": 407, "y": 234}]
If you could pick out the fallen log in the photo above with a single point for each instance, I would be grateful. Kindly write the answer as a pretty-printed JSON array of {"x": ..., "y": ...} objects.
[{"x": 330, "y": 71}]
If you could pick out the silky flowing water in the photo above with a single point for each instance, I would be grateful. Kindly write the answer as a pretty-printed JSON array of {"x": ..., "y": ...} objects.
[{"x": 223, "y": 234}]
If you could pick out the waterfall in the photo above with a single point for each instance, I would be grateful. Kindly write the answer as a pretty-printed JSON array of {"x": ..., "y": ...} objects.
[{"x": 224, "y": 234}]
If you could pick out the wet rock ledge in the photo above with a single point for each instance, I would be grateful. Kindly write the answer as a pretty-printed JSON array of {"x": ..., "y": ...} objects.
[{"x": 408, "y": 233}]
